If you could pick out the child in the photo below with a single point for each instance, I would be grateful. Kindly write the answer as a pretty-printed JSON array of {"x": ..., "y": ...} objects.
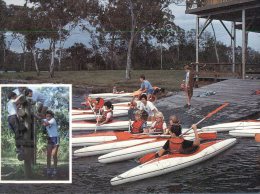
[
  {"x": 139, "y": 124},
  {"x": 107, "y": 114},
  {"x": 53, "y": 142},
  {"x": 175, "y": 127},
  {"x": 14, "y": 124},
  {"x": 159, "y": 126},
  {"x": 148, "y": 107}
]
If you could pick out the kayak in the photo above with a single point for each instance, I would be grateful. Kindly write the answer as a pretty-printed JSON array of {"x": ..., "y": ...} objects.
[
  {"x": 173, "y": 162},
  {"x": 231, "y": 126},
  {"x": 244, "y": 132},
  {"x": 140, "y": 150},
  {"x": 109, "y": 95},
  {"x": 89, "y": 117},
  {"x": 96, "y": 138},
  {"x": 109, "y": 147},
  {"x": 90, "y": 126},
  {"x": 117, "y": 106}
]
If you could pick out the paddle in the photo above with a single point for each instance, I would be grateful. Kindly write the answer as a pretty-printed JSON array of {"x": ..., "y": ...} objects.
[
  {"x": 257, "y": 137},
  {"x": 95, "y": 116},
  {"x": 151, "y": 156}
]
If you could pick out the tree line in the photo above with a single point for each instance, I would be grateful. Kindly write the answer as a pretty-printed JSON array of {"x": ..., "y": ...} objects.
[{"x": 123, "y": 34}]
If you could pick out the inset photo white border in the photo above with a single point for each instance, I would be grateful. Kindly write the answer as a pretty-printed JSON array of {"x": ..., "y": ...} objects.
[{"x": 51, "y": 179}]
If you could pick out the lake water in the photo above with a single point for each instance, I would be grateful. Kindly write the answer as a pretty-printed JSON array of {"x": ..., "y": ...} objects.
[{"x": 235, "y": 170}]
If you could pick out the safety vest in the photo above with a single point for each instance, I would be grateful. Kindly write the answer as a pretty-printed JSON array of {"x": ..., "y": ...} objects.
[
  {"x": 175, "y": 144},
  {"x": 158, "y": 127},
  {"x": 137, "y": 126}
]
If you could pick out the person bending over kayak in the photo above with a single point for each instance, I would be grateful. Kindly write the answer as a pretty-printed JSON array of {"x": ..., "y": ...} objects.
[
  {"x": 148, "y": 107},
  {"x": 53, "y": 142},
  {"x": 107, "y": 114},
  {"x": 139, "y": 123},
  {"x": 180, "y": 145},
  {"x": 159, "y": 126},
  {"x": 146, "y": 87},
  {"x": 95, "y": 104},
  {"x": 174, "y": 128}
]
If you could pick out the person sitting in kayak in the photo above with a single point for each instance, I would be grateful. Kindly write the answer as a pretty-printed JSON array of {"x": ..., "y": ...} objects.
[
  {"x": 139, "y": 124},
  {"x": 97, "y": 104},
  {"x": 106, "y": 114},
  {"x": 159, "y": 126},
  {"x": 148, "y": 107},
  {"x": 174, "y": 128},
  {"x": 134, "y": 105},
  {"x": 180, "y": 145}
]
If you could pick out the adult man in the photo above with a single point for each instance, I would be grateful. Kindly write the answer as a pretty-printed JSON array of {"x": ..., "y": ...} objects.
[{"x": 188, "y": 85}]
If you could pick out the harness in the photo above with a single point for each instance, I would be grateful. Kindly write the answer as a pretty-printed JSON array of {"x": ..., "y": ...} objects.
[{"x": 137, "y": 126}]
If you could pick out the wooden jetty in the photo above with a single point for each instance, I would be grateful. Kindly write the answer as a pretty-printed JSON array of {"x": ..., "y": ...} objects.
[{"x": 237, "y": 92}]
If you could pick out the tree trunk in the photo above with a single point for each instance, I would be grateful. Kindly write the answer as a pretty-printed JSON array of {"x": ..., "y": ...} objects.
[
  {"x": 130, "y": 43},
  {"x": 52, "y": 59},
  {"x": 35, "y": 61},
  {"x": 215, "y": 44}
]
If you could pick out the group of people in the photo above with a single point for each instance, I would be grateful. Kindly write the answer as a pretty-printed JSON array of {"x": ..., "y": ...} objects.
[
  {"x": 15, "y": 121},
  {"x": 143, "y": 110}
]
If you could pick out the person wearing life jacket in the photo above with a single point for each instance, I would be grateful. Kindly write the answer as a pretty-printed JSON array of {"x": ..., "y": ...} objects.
[
  {"x": 180, "y": 145},
  {"x": 174, "y": 128},
  {"x": 134, "y": 105},
  {"x": 158, "y": 126},
  {"x": 97, "y": 104},
  {"x": 139, "y": 124},
  {"x": 106, "y": 114}
]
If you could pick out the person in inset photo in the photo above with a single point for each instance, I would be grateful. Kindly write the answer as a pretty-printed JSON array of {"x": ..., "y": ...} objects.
[{"x": 34, "y": 133}]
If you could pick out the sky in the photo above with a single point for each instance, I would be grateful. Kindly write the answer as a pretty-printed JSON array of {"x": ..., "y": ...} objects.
[{"x": 183, "y": 20}]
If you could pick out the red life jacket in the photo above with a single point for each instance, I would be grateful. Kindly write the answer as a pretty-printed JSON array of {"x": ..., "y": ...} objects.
[
  {"x": 158, "y": 127},
  {"x": 104, "y": 115},
  {"x": 137, "y": 126},
  {"x": 175, "y": 144}
]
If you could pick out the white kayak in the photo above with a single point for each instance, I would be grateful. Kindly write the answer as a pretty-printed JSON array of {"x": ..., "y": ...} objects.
[
  {"x": 116, "y": 106},
  {"x": 89, "y": 117},
  {"x": 138, "y": 150},
  {"x": 109, "y": 147},
  {"x": 231, "y": 126},
  {"x": 244, "y": 132},
  {"x": 91, "y": 126},
  {"x": 111, "y": 95},
  {"x": 173, "y": 162}
]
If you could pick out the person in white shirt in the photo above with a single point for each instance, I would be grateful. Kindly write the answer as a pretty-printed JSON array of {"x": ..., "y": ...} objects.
[
  {"x": 53, "y": 142},
  {"x": 37, "y": 97},
  {"x": 13, "y": 122},
  {"x": 148, "y": 107}
]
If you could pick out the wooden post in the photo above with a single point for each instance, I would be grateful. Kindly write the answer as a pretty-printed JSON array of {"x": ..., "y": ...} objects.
[
  {"x": 243, "y": 43},
  {"x": 233, "y": 41},
  {"x": 197, "y": 47}
]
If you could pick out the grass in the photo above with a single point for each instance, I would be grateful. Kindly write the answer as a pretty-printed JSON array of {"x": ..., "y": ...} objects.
[{"x": 105, "y": 79}]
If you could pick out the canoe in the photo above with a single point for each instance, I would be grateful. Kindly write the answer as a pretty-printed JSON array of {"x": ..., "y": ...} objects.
[
  {"x": 90, "y": 126},
  {"x": 111, "y": 95},
  {"x": 244, "y": 132},
  {"x": 140, "y": 150},
  {"x": 173, "y": 162},
  {"x": 231, "y": 126},
  {"x": 89, "y": 117}
]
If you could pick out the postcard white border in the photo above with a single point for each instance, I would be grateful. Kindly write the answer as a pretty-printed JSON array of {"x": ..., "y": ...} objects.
[{"x": 70, "y": 133}]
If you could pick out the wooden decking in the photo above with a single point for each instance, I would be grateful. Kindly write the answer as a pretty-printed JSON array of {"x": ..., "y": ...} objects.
[{"x": 235, "y": 91}]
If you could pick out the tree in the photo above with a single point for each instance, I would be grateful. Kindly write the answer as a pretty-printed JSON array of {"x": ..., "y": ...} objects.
[{"x": 131, "y": 17}]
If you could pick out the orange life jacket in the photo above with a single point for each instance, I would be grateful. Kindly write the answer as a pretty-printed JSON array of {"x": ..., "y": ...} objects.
[
  {"x": 175, "y": 144},
  {"x": 137, "y": 126},
  {"x": 158, "y": 127}
]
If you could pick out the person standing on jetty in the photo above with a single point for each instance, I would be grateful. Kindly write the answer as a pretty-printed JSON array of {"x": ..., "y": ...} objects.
[
  {"x": 146, "y": 87},
  {"x": 188, "y": 85}
]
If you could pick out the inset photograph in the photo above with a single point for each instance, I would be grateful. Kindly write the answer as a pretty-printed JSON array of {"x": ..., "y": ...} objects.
[{"x": 35, "y": 133}]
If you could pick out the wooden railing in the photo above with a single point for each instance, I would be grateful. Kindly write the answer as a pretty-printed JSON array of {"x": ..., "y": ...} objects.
[{"x": 192, "y": 4}]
